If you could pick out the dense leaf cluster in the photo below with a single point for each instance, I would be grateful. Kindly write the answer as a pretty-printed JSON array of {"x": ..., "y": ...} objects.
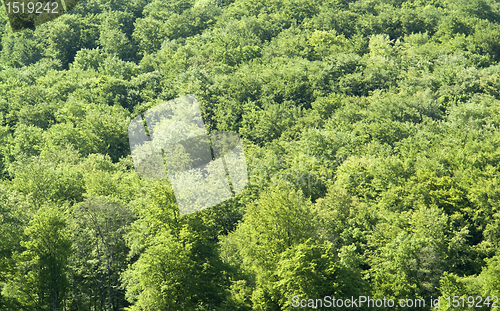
[{"x": 371, "y": 131}]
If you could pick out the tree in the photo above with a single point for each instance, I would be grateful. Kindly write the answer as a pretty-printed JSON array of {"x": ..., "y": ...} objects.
[
  {"x": 15, "y": 212},
  {"x": 99, "y": 226},
  {"x": 20, "y": 49},
  {"x": 178, "y": 266},
  {"x": 115, "y": 35},
  {"x": 39, "y": 280},
  {"x": 278, "y": 221},
  {"x": 311, "y": 269}
]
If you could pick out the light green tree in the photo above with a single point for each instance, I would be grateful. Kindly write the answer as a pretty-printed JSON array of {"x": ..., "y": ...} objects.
[{"x": 39, "y": 280}]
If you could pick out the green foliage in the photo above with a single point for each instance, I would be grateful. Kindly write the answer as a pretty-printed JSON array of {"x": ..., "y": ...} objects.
[
  {"x": 99, "y": 253},
  {"x": 313, "y": 270},
  {"x": 39, "y": 280},
  {"x": 370, "y": 130},
  {"x": 178, "y": 266}
]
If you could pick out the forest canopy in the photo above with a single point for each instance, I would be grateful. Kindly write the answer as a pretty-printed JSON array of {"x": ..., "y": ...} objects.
[{"x": 370, "y": 129}]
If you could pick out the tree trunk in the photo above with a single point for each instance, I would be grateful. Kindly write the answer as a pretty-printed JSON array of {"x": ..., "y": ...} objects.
[
  {"x": 109, "y": 286},
  {"x": 54, "y": 302}
]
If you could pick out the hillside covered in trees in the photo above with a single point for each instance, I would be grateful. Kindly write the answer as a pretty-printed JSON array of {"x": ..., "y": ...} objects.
[{"x": 370, "y": 128}]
